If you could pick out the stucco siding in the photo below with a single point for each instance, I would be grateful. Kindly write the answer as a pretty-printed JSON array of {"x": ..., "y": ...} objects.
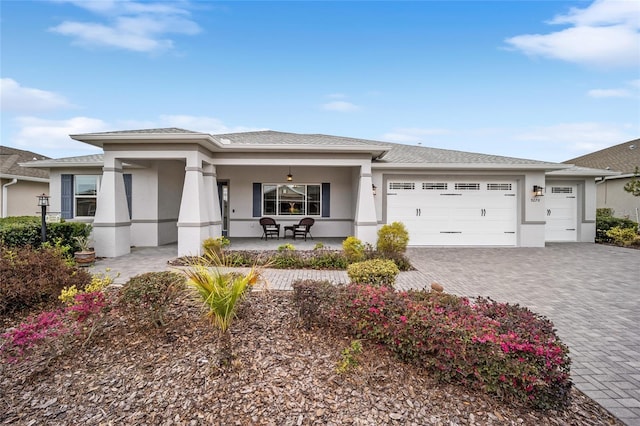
[
  {"x": 611, "y": 194},
  {"x": 21, "y": 197},
  {"x": 241, "y": 179}
]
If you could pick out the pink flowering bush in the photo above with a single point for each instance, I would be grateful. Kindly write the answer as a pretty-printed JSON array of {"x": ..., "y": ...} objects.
[
  {"x": 51, "y": 332},
  {"x": 505, "y": 350}
]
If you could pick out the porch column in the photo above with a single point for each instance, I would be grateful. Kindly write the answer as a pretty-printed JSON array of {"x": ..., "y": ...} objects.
[
  {"x": 111, "y": 224},
  {"x": 193, "y": 219},
  {"x": 365, "y": 221},
  {"x": 213, "y": 202}
]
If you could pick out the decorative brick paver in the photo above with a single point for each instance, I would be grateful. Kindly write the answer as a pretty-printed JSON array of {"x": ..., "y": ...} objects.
[{"x": 591, "y": 292}]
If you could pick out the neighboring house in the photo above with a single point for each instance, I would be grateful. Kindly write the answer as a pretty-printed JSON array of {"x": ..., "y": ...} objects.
[
  {"x": 160, "y": 186},
  {"x": 625, "y": 159},
  {"x": 20, "y": 185}
]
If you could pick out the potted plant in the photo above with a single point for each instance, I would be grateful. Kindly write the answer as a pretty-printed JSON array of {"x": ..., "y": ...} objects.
[{"x": 86, "y": 255}]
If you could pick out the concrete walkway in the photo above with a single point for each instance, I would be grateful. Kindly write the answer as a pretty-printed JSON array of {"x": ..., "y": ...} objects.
[{"x": 591, "y": 293}]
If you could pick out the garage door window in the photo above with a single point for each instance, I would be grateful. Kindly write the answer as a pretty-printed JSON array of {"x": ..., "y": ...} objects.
[
  {"x": 499, "y": 187},
  {"x": 431, "y": 186},
  {"x": 402, "y": 185},
  {"x": 562, "y": 190},
  {"x": 467, "y": 186}
]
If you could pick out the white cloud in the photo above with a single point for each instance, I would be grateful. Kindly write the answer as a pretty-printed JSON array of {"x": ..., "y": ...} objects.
[
  {"x": 17, "y": 98},
  {"x": 609, "y": 93},
  {"x": 340, "y": 106},
  {"x": 40, "y": 135},
  {"x": 412, "y": 134},
  {"x": 604, "y": 34},
  {"x": 141, "y": 27},
  {"x": 580, "y": 138}
]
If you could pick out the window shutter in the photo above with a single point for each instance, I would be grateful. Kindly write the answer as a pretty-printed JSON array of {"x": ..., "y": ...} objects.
[
  {"x": 326, "y": 199},
  {"x": 257, "y": 199},
  {"x": 66, "y": 196},
  {"x": 127, "y": 190}
]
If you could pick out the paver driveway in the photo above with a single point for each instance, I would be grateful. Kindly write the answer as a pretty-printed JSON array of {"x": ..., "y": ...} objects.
[{"x": 591, "y": 292}]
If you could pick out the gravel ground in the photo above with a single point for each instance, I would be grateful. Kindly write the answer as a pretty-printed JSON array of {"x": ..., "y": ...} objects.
[{"x": 283, "y": 375}]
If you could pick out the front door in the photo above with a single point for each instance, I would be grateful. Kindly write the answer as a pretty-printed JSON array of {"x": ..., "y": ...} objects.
[{"x": 223, "y": 197}]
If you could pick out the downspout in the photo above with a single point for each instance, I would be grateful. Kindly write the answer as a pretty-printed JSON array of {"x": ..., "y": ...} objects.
[{"x": 4, "y": 196}]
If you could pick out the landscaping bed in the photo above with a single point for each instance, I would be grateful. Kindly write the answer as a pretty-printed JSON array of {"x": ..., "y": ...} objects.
[{"x": 283, "y": 374}]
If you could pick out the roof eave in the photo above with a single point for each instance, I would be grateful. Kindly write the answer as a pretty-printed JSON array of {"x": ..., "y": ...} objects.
[
  {"x": 470, "y": 166},
  {"x": 27, "y": 178},
  {"x": 99, "y": 140},
  {"x": 52, "y": 164}
]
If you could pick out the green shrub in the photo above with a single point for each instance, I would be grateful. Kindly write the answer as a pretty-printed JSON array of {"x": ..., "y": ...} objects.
[
  {"x": 314, "y": 300},
  {"x": 392, "y": 239},
  {"x": 215, "y": 245},
  {"x": 326, "y": 259},
  {"x": 286, "y": 247},
  {"x": 605, "y": 223},
  {"x": 24, "y": 231},
  {"x": 148, "y": 296},
  {"x": 377, "y": 272},
  {"x": 354, "y": 249},
  {"x": 34, "y": 276},
  {"x": 505, "y": 350},
  {"x": 623, "y": 236}
]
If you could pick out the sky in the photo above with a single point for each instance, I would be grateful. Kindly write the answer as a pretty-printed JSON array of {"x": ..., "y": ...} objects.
[{"x": 545, "y": 80}]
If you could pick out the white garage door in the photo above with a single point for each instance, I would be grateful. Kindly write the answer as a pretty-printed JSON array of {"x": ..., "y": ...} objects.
[
  {"x": 562, "y": 213},
  {"x": 454, "y": 212}
]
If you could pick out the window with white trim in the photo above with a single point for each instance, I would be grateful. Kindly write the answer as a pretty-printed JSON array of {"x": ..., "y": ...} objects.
[
  {"x": 291, "y": 200},
  {"x": 85, "y": 193}
]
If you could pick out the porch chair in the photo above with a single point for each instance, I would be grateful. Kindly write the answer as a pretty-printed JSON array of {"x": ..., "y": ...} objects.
[
  {"x": 269, "y": 228},
  {"x": 302, "y": 229}
]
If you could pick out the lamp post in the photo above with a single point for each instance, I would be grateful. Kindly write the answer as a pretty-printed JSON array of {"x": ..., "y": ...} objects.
[{"x": 43, "y": 202}]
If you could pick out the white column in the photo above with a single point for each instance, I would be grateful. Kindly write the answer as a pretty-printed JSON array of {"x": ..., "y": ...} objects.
[
  {"x": 193, "y": 219},
  {"x": 365, "y": 221},
  {"x": 111, "y": 224},
  {"x": 213, "y": 202}
]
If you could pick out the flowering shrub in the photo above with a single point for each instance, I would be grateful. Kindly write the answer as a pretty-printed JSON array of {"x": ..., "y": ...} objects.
[
  {"x": 503, "y": 349},
  {"x": 98, "y": 283},
  {"x": 51, "y": 331},
  {"x": 623, "y": 236}
]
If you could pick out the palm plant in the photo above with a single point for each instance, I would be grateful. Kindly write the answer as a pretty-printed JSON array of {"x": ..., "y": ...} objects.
[{"x": 221, "y": 292}]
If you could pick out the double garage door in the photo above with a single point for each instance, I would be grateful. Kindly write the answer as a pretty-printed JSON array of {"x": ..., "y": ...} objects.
[{"x": 455, "y": 211}]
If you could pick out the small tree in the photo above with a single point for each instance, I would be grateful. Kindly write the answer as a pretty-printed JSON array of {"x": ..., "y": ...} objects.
[
  {"x": 221, "y": 293},
  {"x": 633, "y": 186}
]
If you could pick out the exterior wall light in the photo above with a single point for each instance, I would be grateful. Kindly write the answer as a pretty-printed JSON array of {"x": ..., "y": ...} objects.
[
  {"x": 289, "y": 176},
  {"x": 43, "y": 203},
  {"x": 537, "y": 191},
  {"x": 373, "y": 189}
]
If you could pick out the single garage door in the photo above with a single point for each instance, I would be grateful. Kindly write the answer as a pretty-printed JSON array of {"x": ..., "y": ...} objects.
[
  {"x": 562, "y": 213},
  {"x": 455, "y": 211}
]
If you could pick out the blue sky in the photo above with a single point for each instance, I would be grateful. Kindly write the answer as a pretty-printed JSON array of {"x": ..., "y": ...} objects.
[{"x": 547, "y": 80}]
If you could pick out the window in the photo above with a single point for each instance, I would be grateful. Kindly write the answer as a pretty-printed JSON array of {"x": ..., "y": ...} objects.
[
  {"x": 562, "y": 190},
  {"x": 499, "y": 187},
  {"x": 429, "y": 186},
  {"x": 85, "y": 195},
  {"x": 287, "y": 200},
  {"x": 402, "y": 185},
  {"x": 467, "y": 186}
]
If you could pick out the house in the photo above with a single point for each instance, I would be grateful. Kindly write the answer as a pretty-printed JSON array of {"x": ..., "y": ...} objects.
[
  {"x": 610, "y": 193},
  {"x": 20, "y": 185},
  {"x": 159, "y": 186}
]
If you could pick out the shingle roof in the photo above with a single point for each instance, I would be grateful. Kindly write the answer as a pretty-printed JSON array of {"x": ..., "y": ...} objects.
[
  {"x": 624, "y": 158},
  {"x": 10, "y": 159},
  {"x": 395, "y": 153},
  {"x": 96, "y": 160},
  {"x": 166, "y": 130},
  {"x": 398, "y": 153}
]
